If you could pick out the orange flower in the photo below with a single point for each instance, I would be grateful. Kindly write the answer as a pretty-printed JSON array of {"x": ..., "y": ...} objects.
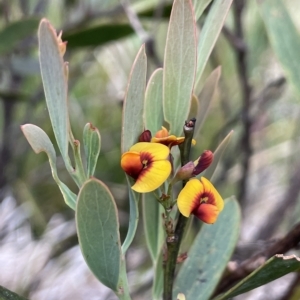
[
  {"x": 163, "y": 137},
  {"x": 200, "y": 198},
  {"x": 148, "y": 164}
]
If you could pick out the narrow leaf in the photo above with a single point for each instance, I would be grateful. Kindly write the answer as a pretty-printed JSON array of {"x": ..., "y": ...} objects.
[
  {"x": 194, "y": 108},
  {"x": 205, "y": 98},
  {"x": 6, "y": 294},
  {"x": 97, "y": 35},
  {"x": 134, "y": 102},
  {"x": 12, "y": 34},
  {"x": 276, "y": 267},
  {"x": 284, "y": 38},
  {"x": 133, "y": 217},
  {"x": 158, "y": 280},
  {"x": 92, "y": 145},
  {"x": 209, "y": 172},
  {"x": 210, "y": 32},
  {"x": 55, "y": 84},
  {"x": 98, "y": 232},
  {"x": 209, "y": 254},
  {"x": 179, "y": 65},
  {"x": 199, "y": 7},
  {"x": 153, "y": 113},
  {"x": 153, "y": 225},
  {"x": 40, "y": 142}
]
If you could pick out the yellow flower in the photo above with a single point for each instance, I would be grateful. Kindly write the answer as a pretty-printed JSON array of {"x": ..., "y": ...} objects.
[
  {"x": 162, "y": 136},
  {"x": 200, "y": 198},
  {"x": 148, "y": 164}
]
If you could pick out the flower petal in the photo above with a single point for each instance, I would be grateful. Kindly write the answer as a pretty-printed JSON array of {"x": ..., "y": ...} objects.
[
  {"x": 207, "y": 213},
  {"x": 153, "y": 176},
  {"x": 131, "y": 163},
  {"x": 208, "y": 187},
  {"x": 156, "y": 151},
  {"x": 189, "y": 197}
]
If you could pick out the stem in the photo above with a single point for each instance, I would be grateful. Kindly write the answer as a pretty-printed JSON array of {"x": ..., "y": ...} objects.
[
  {"x": 246, "y": 147},
  {"x": 173, "y": 242},
  {"x": 123, "y": 289}
]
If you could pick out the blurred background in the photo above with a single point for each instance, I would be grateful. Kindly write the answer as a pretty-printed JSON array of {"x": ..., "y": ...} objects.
[{"x": 39, "y": 253}]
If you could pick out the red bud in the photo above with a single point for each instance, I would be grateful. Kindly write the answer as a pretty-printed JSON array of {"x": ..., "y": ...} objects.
[
  {"x": 145, "y": 136},
  {"x": 204, "y": 162}
]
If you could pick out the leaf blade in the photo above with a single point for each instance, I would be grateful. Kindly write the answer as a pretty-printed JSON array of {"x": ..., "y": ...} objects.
[
  {"x": 40, "y": 142},
  {"x": 133, "y": 217},
  {"x": 98, "y": 232},
  {"x": 153, "y": 113},
  {"x": 179, "y": 65},
  {"x": 210, "y": 32},
  {"x": 133, "y": 125},
  {"x": 217, "y": 240},
  {"x": 209, "y": 172},
  {"x": 205, "y": 98},
  {"x": 55, "y": 84},
  {"x": 284, "y": 38},
  {"x": 276, "y": 267},
  {"x": 92, "y": 145}
]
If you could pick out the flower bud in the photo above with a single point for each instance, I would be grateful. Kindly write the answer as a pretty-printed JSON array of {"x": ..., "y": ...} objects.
[
  {"x": 162, "y": 133},
  {"x": 185, "y": 172},
  {"x": 145, "y": 136},
  {"x": 203, "y": 162}
]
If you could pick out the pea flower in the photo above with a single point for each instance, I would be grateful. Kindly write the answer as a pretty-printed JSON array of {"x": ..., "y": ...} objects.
[
  {"x": 163, "y": 137},
  {"x": 200, "y": 198},
  {"x": 148, "y": 165}
]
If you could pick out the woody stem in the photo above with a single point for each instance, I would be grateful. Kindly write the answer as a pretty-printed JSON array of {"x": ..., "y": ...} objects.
[{"x": 173, "y": 243}]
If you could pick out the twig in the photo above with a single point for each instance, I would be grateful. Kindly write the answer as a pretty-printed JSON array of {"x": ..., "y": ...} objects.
[
  {"x": 134, "y": 21},
  {"x": 281, "y": 246},
  {"x": 246, "y": 147},
  {"x": 289, "y": 200},
  {"x": 141, "y": 32}
]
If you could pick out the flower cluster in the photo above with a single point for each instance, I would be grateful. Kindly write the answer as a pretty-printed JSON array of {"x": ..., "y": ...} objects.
[{"x": 149, "y": 163}]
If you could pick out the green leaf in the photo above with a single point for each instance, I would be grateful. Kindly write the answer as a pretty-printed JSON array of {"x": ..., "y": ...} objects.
[
  {"x": 133, "y": 217},
  {"x": 209, "y": 172},
  {"x": 54, "y": 76},
  {"x": 97, "y": 35},
  {"x": 14, "y": 33},
  {"x": 205, "y": 98},
  {"x": 210, "y": 32},
  {"x": 194, "y": 108},
  {"x": 153, "y": 113},
  {"x": 155, "y": 236},
  {"x": 92, "y": 145},
  {"x": 153, "y": 225},
  {"x": 284, "y": 38},
  {"x": 133, "y": 107},
  {"x": 276, "y": 267},
  {"x": 179, "y": 65},
  {"x": 98, "y": 232},
  {"x": 209, "y": 254},
  {"x": 6, "y": 294},
  {"x": 40, "y": 142},
  {"x": 158, "y": 280},
  {"x": 199, "y": 7}
]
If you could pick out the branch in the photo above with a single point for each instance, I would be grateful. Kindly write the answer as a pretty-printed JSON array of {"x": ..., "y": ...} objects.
[
  {"x": 281, "y": 246},
  {"x": 141, "y": 32}
]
